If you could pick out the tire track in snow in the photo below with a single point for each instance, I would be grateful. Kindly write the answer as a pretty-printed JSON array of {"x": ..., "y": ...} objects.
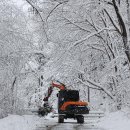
[
  {"x": 51, "y": 127},
  {"x": 67, "y": 126},
  {"x": 47, "y": 126}
]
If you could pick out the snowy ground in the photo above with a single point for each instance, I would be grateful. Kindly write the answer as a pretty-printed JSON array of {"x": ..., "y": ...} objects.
[
  {"x": 16, "y": 122},
  {"x": 119, "y": 120},
  {"x": 114, "y": 121}
]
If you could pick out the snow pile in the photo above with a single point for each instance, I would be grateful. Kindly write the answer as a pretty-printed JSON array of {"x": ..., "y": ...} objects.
[
  {"x": 16, "y": 122},
  {"x": 115, "y": 121}
]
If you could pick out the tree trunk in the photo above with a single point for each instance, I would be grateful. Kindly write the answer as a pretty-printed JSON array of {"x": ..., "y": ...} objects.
[
  {"x": 12, "y": 91},
  {"x": 128, "y": 16},
  {"x": 123, "y": 30}
]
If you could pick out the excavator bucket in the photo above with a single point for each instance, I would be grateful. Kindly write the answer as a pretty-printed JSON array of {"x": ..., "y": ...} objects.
[{"x": 43, "y": 111}]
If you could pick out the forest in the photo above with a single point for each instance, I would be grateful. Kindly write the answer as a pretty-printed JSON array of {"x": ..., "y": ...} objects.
[{"x": 84, "y": 44}]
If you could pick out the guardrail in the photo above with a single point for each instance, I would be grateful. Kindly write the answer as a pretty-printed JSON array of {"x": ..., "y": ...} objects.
[{"x": 92, "y": 114}]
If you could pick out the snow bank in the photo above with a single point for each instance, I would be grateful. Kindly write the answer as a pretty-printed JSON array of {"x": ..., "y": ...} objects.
[
  {"x": 16, "y": 122},
  {"x": 115, "y": 121},
  {"x": 2, "y": 113}
]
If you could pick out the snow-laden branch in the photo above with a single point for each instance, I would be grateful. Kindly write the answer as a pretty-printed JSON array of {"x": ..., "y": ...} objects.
[
  {"x": 52, "y": 11},
  {"x": 23, "y": 52},
  {"x": 96, "y": 85},
  {"x": 80, "y": 41},
  {"x": 89, "y": 36},
  {"x": 111, "y": 65},
  {"x": 112, "y": 21},
  {"x": 59, "y": 3},
  {"x": 86, "y": 84},
  {"x": 101, "y": 87},
  {"x": 40, "y": 15},
  {"x": 96, "y": 48},
  {"x": 73, "y": 23}
]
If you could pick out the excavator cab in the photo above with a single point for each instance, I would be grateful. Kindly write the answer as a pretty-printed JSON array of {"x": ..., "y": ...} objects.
[
  {"x": 70, "y": 106},
  {"x": 67, "y": 95}
]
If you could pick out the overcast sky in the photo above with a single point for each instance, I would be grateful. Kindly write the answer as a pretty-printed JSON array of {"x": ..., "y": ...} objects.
[
  {"x": 19, "y": 2},
  {"x": 22, "y": 4}
]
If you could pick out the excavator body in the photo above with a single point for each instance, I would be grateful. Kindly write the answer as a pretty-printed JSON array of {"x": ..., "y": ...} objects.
[{"x": 70, "y": 106}]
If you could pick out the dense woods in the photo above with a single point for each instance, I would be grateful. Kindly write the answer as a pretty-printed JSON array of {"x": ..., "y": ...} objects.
[{"x": 83, "y": 43}]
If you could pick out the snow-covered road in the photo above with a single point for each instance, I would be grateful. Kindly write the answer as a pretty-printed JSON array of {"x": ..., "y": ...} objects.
[
  {"x": 50, "y": 124},
  {"x": 33, "y": 122},
  {"x": 119, "y": 120},
  {"x": 68, "y": 126}
]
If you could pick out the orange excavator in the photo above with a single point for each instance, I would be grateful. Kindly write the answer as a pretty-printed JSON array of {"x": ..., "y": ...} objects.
[{"x": 69, "y": 104}]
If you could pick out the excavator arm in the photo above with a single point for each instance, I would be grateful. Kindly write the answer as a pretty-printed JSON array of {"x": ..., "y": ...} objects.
[
  {"x": 46, "y": 108},
  {"x": 61, "y": 86}
]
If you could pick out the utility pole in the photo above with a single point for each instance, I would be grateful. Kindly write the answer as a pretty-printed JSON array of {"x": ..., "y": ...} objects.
[{"x": 88, "y": 94}]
